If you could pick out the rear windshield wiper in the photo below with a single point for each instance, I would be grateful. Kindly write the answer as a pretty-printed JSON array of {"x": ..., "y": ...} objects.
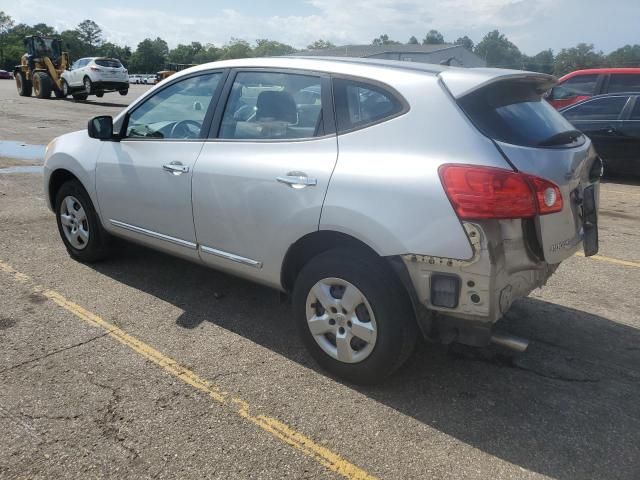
[{"x": 563, "y": 138}]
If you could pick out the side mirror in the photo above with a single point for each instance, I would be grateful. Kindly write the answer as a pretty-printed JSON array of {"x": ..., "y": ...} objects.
[
  {"x": 548, "y": 94},
  {"x": 101, "y": 127}
]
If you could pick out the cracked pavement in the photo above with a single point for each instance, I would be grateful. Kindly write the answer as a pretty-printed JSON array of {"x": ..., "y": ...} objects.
[{"x": 74, "y": 403}]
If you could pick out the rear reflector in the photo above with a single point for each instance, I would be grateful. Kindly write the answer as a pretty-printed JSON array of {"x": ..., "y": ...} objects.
[{"x": 478, "y": 192}]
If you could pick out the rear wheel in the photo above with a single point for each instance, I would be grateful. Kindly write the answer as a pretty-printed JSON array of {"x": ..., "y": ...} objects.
[
  {"x": 353, "y": 315},
  {"x": 79, "y": 225},
  {"x": 88, "y": 85},
  {"x": 123, "y": 92},
  {"x": 79, "y": 96},
  {"x": 63, "y": 91},
  {"x": 99, "y": 94},
  {"x": 23, "y": 85},
  {"x": 42, "y": 85}
]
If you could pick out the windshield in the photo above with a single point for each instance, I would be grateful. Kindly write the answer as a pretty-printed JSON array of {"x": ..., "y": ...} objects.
[{"x": 516, "y": 113}]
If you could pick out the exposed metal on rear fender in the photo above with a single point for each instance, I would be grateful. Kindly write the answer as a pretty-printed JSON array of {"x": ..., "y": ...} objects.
[{"x": 461, "y": 82}]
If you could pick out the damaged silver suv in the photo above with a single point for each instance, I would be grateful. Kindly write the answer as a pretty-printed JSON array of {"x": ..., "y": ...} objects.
[{"x": 388, "y": 198}]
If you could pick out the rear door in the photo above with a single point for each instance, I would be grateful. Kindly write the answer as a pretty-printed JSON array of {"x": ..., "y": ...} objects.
[
  {"x": 599, "y": 119},
  {"x": 536, "y": 139},
  {"x": 629, "y": 132},
  {"x": 259, "y": 182}
]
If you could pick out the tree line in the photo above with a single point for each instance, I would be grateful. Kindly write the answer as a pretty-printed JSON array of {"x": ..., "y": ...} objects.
[{"x": 151, "y": 55}]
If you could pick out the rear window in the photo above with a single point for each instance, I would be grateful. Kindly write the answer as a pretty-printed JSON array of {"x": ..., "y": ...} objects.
[
  {"x": 624, "y": 83},
  {"x": 516, "y": 113},
  {"x": 108, "y": 62}
]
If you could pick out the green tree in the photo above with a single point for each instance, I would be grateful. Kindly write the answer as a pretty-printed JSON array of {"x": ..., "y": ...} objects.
[
  {"x": 498, "y": 51},
  {"x": 112, "y": 50},
  {"x": 413, "y": 41},
  {"x": 579, "y": 57},
  {"x": 542, "y": 62},
  {"x": 90, "y": 33},
  {"x": 185, "y": 53},
  {"x": 627, "y": 56},
  {"x": 209, "y": 53},
  {"x": 150, "y": 56},
  {"x": 433, "y": 37},
  {"x": 466, "y": 42},
  {"x": 320, "y": 45},
  {"x": 384, "y": 40},
  {"x": 271, "y": 48},
  {"x": 6, "y": 24},
  {"x": 71, "y": 43},
  {"x": 236, "y": 48}
]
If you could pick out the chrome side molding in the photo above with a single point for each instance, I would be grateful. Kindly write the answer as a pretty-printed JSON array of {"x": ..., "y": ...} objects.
[
  {"x": 231, "y": 256},
  {"x": 152, "y": 234}
]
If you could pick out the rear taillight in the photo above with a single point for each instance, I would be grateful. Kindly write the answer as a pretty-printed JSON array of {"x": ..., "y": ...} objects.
[{"x": 478, "y": 192}]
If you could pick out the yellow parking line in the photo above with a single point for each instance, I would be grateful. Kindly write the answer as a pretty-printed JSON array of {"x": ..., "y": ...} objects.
[
  {"x": 277, "y": 429},
  {"x": 617, "y": 261}
]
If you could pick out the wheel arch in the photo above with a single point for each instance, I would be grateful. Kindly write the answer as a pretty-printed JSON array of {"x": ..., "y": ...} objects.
[{"x": 57, "y": 178}]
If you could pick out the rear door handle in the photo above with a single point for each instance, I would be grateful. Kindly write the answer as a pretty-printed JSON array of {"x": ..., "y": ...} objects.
[
  {"x": 297, "y": 180},
  {"x": 176, "y": 168}
]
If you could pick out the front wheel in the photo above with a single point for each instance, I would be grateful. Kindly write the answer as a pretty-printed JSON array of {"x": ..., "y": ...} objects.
[
  {"x": 79, "y": 225},
  {"x": 79, "y": 97},
  {"x": 123, "y": 92},
  {"x": 353, "y": 315},
  {"x": 23, "y": 85}
]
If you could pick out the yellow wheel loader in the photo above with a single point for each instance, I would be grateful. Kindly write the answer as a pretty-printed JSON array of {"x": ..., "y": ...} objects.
[{"x": 41, "y": 68}]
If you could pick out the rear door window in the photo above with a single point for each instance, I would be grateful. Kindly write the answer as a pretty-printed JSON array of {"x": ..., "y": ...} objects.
[
  {"x": 273, "y": 106},
  {"x": 599, "y": 109},
  {"x": 359, "y": 104},
  {"x": 624, "y": 83},
  {"x": 635, "y": 113},
  {"x": 576, "y": 86},
  {"x": 516, "y": 113}
]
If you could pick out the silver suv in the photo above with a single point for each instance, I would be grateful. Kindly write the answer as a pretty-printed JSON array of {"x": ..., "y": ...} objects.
[{"x": 388, "y": 198}]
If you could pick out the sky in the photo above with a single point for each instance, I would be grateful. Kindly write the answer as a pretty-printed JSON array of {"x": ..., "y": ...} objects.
[{"x": 533, "y": 25}]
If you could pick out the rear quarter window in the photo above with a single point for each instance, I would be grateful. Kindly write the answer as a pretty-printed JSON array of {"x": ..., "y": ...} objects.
[
  {"x": 515, "y": 113},
  {"x": 359, "y": 104}
]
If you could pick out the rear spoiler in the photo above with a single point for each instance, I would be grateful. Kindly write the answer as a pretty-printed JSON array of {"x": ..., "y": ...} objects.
[{"x": 463, "y": 81}]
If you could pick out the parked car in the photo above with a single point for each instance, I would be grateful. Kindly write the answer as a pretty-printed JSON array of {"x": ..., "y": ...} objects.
[
  {"x": 404, "y": 198},
  {"x": 612, "y": 122},
  {"x": 134, "y": 79},
  {"x": 95, "y": 76},
  {"x": 582, "y": 84},
  {"x": 4, "y": 75}
]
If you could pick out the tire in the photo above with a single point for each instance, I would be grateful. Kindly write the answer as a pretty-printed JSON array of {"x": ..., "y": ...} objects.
[
  {"x": 42, "y": 85},
  {"x": 383, "y": 308},
  {"x": 79, "y": 97},
  {"x": 95, "y": 246},
  {"x": 63, "y": 91},
  {"x": 99, "y": 94},
  {"x": 23, "y": 85},
  {"x": 123, "y": 92},
  {"x": 88, "y": 86}
]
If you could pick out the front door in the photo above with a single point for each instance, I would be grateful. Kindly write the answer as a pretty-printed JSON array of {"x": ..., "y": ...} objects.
[
  {"x": 260, "y": 184},
  {"x": 143, "y": 182}
]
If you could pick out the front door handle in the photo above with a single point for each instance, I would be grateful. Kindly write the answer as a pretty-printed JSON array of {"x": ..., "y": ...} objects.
[
  {"x": 176, "y": 168},
  {"x": 297, "y": 180}
]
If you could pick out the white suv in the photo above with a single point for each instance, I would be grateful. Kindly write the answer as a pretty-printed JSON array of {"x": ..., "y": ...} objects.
[{"x": 95, "y": 76}]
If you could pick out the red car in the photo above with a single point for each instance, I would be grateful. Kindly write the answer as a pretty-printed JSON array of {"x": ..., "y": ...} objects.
[
  {"x": 4, "y": 75},
  {"x": 582, "y": 84}
]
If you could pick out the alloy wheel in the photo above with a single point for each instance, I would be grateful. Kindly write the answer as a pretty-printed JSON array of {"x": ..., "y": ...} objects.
[
  {"x": 75, "y": 224},
  {"x": 341, "y": 320}
]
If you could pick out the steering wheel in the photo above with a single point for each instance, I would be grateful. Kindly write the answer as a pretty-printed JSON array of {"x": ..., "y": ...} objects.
[{"x": 186, "y": 129}]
